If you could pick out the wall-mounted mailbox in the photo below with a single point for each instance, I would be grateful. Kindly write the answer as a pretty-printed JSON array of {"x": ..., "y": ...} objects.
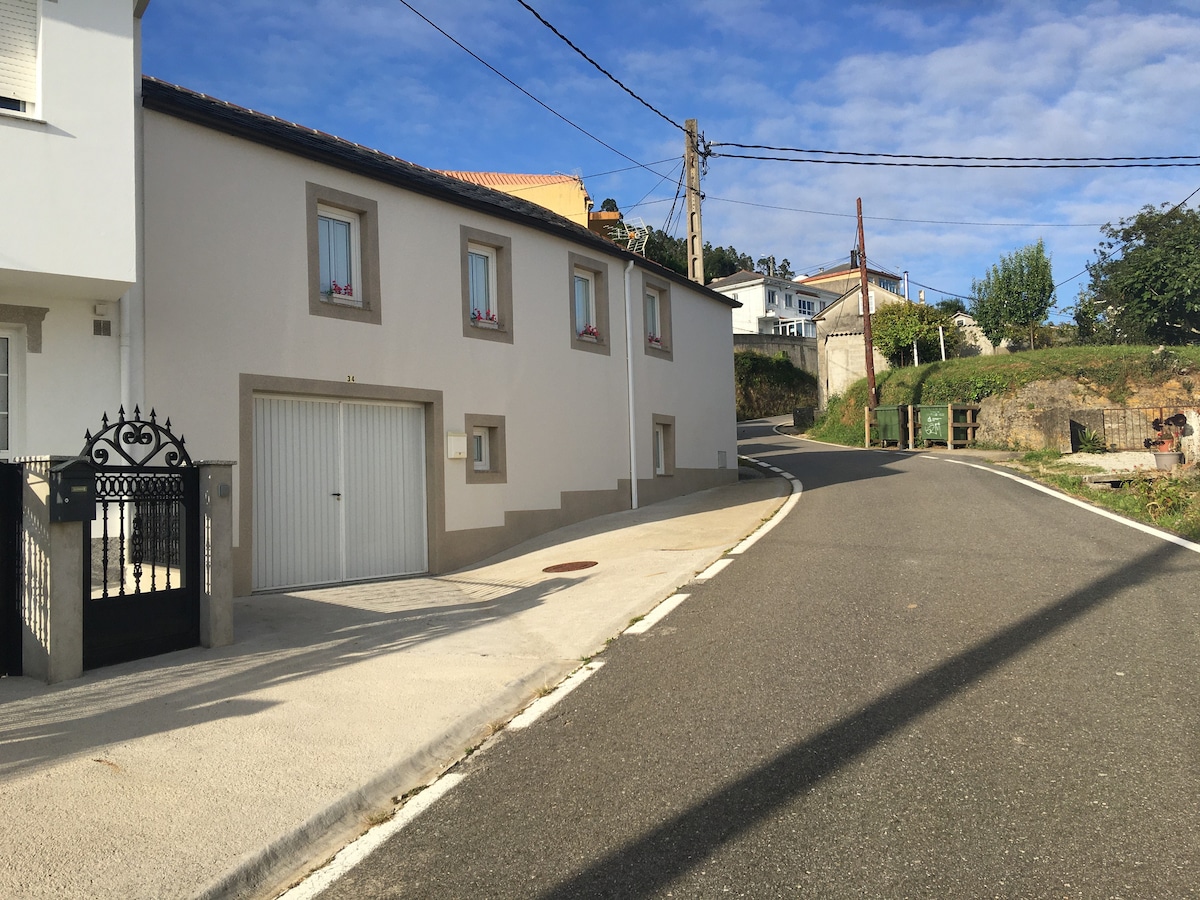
[
  {"x": 456, "y": 445},
  {"x": 73, "y": 491}
]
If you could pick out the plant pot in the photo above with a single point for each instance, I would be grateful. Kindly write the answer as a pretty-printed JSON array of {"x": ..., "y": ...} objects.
[{"x": 1167, "y": 459}]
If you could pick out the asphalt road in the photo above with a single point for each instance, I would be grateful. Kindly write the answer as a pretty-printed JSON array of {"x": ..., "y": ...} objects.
[{"x": 929, "y": 681}]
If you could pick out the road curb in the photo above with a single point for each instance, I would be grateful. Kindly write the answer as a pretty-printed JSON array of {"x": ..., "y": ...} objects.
[{"x": 267, "y": 871}]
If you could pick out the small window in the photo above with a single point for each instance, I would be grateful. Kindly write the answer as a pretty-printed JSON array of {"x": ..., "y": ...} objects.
[
  {"x": 870, "y": 300},
  {"x": 486, "y": 441},
  {"x": 772, "y": 298},
  {"x": 806, "y": 307},
  {"x": 663, "y": 446},
  {"x": 480, "y": 442},
  {"x": 481, "y": 279},
  {"x": 787, "y": 300}
]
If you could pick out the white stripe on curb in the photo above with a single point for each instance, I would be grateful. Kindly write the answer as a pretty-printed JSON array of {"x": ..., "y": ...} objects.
[
  {"x": 713, "y": 570},
  {"x": 352, "y": 854},
  {"x": 540, "y": 707},
  {"x": 656, "y": 615}
]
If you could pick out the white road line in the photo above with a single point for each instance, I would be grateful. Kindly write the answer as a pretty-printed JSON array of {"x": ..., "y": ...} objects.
[
  {"x": 540, "y": 707},
  {"x": 1148, "y": 529},
  {"x": 656, "y": 615},
  {"x": 352, "y": 854},
  {"x": 714, "y": 569}
]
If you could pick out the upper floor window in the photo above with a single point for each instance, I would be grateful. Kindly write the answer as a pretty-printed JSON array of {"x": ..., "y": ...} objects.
[
  {"x": 787, "y": 300},
  {"x": 343, "y": 255},
  {"x": 487, "y": 301},
  {"x": 481, "y": 277},
  {"x": 773, "y": 298},
  {"x": 589, "y": 304},
  {"x": 18, "y": 55},
  {"x": 657, "y": 322},
  {"x": 806, "y": 307},
  {"x": 585, "y": 305}
]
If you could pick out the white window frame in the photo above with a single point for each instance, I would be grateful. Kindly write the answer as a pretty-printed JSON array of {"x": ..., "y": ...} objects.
[
  {"x": 772, "y": 298},
  {"x": 354, "y": 254},
  {"x": 19, "y": 56},
  {"x": 489, "y": 308},
  {"x": 587, "y": 315},
  {"x": 660, "y": 448},
  {"x": 481, "y": 439},
  {"x": 787, "y": 300},
  {"x": 870, "y": 302},
  {"x": 653, "y": 304},
  {"x": 807, "y": 307},
  {"x": 12, "y": 385}
]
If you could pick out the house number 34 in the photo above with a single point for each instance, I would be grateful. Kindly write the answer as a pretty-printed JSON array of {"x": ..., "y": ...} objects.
[{"x": 350, "y": 379}]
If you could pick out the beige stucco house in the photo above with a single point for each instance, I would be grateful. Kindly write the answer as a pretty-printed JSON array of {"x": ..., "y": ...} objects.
[
  {"x": 473, "y": 370},
  {"x": 841, "y": 351},
  {"x": 410, "y": 371}
]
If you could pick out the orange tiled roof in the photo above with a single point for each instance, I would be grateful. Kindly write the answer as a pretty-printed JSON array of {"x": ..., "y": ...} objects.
[{"x": 495, "y": 179}]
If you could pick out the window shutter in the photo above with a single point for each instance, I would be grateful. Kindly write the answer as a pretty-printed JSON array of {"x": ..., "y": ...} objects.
[{"x": 18, "y": 49}]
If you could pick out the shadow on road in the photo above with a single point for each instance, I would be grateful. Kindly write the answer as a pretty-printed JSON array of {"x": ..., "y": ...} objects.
[{"x": 646, "y": 866}]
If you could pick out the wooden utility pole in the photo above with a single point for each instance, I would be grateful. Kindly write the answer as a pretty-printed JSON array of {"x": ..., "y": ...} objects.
[
  {"x": 691, "y": 166},
  {"x": 872, "y": 399}
]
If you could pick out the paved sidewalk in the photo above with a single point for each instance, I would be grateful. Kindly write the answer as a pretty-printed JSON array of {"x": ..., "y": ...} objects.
[{"x": 209, "y": 773}]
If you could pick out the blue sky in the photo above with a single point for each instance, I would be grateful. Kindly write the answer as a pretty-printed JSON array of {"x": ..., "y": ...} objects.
[{"x": 945, "y": 77}]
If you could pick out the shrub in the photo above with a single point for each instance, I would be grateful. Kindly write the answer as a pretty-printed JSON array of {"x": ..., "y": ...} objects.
[{"x": 770, "y": 385}]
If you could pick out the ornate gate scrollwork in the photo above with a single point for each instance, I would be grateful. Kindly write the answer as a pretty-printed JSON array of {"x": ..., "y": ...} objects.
[{"x": 142, "y": 582}]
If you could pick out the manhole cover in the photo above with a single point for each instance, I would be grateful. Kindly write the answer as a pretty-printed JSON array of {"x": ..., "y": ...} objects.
[{"x": 570, "y": 567}]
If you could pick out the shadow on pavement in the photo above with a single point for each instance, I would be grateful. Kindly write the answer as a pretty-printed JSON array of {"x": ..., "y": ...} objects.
[{"x": 646, "y": 866}]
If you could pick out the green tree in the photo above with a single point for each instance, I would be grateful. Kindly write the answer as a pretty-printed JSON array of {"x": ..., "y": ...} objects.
[
  {"x": 671, "y": 252},
  {"x": 1015, "y": 295},
  {"x": 895, "y": 327},
  {"x": 609, "y": 205},
  {"x": 951, "y": 305},
  {"x": 1145, "y": 282}
]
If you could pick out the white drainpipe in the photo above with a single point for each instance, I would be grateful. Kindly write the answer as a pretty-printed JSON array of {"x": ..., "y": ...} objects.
[{"x": 633, "y": 490}]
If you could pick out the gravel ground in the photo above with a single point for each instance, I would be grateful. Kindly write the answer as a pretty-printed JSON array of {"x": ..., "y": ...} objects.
[{"x": 1125, "y": 461}]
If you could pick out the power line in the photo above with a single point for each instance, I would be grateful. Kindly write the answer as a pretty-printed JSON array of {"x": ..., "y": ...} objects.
[
  {"x": 607, "y": 74},
  {"x": 942, "y": 156},
  {"x": 544, "y": 106},
  {"x": 958, "y": 165},
  {"x": 1123, "y": 246},
  {"x": 817, "y": 212}
]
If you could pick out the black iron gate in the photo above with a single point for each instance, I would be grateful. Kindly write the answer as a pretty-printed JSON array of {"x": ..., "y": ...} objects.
[
  {"x": 10, "y": 568},
  {"x": 142, "y": 586}
]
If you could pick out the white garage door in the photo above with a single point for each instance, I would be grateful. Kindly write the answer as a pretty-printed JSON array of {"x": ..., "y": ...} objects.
[{"x": 339, "y": 491}]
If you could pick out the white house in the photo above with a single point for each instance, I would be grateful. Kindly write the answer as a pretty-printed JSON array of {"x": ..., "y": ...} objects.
[
  {"x": 68, "y": 222},
  {"x": 772, "y": 305}
]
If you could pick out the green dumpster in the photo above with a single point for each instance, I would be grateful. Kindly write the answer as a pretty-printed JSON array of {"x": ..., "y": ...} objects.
[
  {"x": 891, "y": 422},
  {"x": 935, "y": 423}
]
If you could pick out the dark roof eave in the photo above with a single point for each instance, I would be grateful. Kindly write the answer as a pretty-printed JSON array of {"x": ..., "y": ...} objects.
[{"x": 298, "y": 140}]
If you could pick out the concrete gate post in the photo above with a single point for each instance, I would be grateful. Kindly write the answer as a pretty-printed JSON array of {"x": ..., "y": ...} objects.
[
  {"x": 216, "y": 552},
  {"x": 52, "y": 582}
]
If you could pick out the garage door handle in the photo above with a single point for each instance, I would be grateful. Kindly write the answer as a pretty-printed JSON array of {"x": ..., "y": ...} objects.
[{"x": 339, "y": 496}]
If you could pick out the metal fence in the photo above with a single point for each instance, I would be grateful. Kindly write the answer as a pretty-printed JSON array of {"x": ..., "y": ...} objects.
[{"x": 1129, "y": 428}]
